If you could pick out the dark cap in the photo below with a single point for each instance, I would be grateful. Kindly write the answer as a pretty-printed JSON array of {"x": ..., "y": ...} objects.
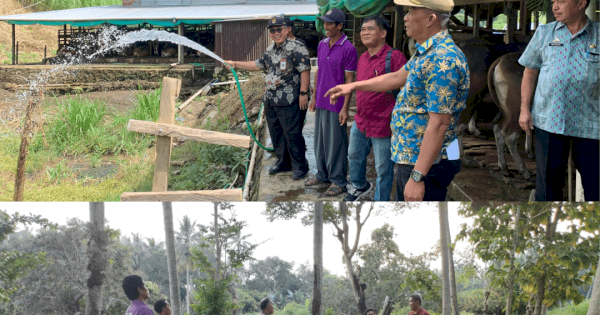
[
  {"x": 288, "y": 21},
  {"x": 276, "y": 20},
  {"x": 334, "y": 16}
]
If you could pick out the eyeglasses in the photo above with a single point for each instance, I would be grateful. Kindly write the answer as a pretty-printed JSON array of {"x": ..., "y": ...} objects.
[{"x": 276, "y": 30}]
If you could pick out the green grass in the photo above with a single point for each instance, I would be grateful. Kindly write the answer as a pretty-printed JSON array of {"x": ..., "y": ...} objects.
[
  {"x": 84, "y": 131},
  {"x": 571, "y": 309},
  {"x": 67, "y": 4}
]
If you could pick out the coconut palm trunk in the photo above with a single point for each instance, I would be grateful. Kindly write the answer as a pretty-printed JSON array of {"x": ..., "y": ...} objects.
[
  {"x": 318, "y": 260},
  {"x": 97, "y": 248},
  {"x": 511, "y": 267},
  {"x": 443, "y": 207},
  {"x": 171, "y": 259}
]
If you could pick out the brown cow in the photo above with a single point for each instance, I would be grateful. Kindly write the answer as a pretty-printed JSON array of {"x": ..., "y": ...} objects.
[{"x": 504, "y": 82}]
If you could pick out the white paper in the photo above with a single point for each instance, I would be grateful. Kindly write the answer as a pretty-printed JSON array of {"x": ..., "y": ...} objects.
[{"x": 453, "y": 151}]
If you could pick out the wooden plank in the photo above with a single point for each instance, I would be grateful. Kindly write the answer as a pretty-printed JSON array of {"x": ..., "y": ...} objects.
[
  {"x": 476, "y": 20},
  {"x": 399, "y": 27},
  {"x": 201, "y": 195},
  {"x": 170, "y": 91},
  {"x": 169, "y": 131}
]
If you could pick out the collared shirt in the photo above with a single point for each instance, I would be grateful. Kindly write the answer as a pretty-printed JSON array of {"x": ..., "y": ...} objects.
[
  {"x": 566, "y": 97},
  {"x": 420, "y": 312},
  {"x": 333, "y": 65},
  {"x": 438, "y": 82},
  {"x": 138, "y": 307},
  {"x": 283, "y": 65},
  {"x": 374, "y": 109}
]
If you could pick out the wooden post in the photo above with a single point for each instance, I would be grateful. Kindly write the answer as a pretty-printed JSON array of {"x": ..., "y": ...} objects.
[
  {"x": 170, "y": 91},
  {"x": 399, "y": 27},
  {"x": 23, "y": 150},
  {"x": 523, "y": 17},
  {"x": 14, "y": 42},
  {"x": 490, "y": 17},
  {"x": 466, "y": 21},
  {"x": 476, "y": 20},
  {"x": 180, "y": 57}
]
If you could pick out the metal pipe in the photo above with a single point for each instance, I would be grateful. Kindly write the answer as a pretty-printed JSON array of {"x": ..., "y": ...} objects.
[{"x": 17, "y": 55}]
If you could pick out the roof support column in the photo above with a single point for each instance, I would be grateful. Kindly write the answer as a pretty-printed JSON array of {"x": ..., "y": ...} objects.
[
  {"x": 399, "y": 27},
  {"x": 476, "y": 20},
  {"x": 180, "y": 47},
  {"x": 14, "y": 42}
]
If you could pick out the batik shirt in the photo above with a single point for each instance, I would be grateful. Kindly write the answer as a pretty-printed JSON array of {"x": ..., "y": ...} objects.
[
  {"x": 566, "y": 97},
  {"x": 438, "y": 82},
  {"x": 283, "y": 65}
]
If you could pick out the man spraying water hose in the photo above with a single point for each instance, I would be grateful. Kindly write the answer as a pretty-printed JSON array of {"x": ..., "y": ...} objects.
[{"x": 287, "y": 66}]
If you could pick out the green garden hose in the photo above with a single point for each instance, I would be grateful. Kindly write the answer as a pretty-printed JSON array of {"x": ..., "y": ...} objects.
[{"x": 237, "y": 82}]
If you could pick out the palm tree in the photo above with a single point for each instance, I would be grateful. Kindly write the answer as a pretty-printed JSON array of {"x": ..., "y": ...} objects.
[
  {"x": 443, "y": 207},
  {"x": 318, "y": 260},
  {"x": 97, "y": 248},
  {"x": 187, "y": 237},
  {"x": 171, "y": 258}
]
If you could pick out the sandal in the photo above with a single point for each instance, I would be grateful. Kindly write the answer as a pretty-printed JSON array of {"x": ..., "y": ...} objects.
[
  {"x": 313, "y": 181},
  {"x": 334, "y": 190}
]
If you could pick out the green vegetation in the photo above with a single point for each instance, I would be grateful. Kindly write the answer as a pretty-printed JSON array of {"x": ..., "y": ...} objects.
[
  {"x": 220, "y": 166},
  {"x": 571, "y": 309},
  {"x": 67, "y": 4}
]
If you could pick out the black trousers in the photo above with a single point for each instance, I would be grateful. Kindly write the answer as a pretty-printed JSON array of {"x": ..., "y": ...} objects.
[
  {"x": 437, "y": 180},
  {"x": 551, "y": 158},
  {"x": 285, "y": 126}
]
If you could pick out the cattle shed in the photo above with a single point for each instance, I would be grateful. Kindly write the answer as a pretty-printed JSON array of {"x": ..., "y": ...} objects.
[
  {"x": 470, "y": 19},
  {"x": 235, "y": 28}
]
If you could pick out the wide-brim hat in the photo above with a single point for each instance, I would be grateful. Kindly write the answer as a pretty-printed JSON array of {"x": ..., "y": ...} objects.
[
  {"x": 334, "y": 16},
  {"x": 436, "y": 5}
]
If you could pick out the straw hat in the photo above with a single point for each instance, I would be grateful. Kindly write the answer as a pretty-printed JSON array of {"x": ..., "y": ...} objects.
[{"x": 436, "y": 5}]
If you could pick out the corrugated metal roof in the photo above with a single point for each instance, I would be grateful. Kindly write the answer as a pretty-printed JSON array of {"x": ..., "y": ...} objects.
[{"x": 167, "y": 13}]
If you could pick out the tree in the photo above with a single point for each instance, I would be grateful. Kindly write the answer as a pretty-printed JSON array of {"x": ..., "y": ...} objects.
[
  {"x": 554, "y": 263},
  {"x": 65, "y": 275},
  {"x": 443, "y": 207},
  {"x": 16, "y": 264},
  {"x": 186, "y": 238},
  {"x": 594, "y": 308},
  {"x": 338, "y": 216},
  {"x": 216, "y": 293},
  {"x": 97, "y": 253},
  {"x": 171, "y": 259},
  {"x": 317, "y": 308}
]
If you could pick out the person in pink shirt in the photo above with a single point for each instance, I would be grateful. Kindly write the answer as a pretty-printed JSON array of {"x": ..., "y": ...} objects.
[
  {"x": 137, "y": 293},
  {"x": 414, "y": 302},
  {"x": 374, "y": 109}
]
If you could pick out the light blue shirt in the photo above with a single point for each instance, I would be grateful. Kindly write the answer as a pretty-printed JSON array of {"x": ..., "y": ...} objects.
[{"x": 566, "y": 98}]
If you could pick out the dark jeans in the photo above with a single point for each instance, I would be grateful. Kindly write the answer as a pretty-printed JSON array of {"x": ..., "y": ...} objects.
[
  {"x": 551, "y": 158},
  {"x": 436, "y": 182},
  {"x": 285, "y": 126}
]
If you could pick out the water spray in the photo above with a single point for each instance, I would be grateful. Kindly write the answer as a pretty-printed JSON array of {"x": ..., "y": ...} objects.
[{"x": 162, "y": 36}]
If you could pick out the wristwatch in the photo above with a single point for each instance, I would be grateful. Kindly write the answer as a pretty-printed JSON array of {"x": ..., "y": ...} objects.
[
  {"x": 416, "y": 176},
  {"x": 303, "y": 93}
]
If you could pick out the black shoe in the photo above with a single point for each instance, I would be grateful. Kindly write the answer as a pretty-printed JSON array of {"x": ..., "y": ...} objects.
[
  {"x": 299, "y": 174},
  {"x": 355, "y": 194},
  {"x": 278, "y": 169}
]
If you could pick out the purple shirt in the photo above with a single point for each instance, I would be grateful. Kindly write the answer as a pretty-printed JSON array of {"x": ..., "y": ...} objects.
[
  {"x": 333, "y": 64},
  {"x": 138, "y": 307}
]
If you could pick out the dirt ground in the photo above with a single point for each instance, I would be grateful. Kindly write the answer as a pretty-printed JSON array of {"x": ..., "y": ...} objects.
[{"x": 31, "y": 38}]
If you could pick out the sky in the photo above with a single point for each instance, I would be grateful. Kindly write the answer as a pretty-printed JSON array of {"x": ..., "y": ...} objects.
[{"x": 417, "y": 230}]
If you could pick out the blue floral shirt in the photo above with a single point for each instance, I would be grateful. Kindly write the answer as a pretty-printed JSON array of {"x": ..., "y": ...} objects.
[
  {"x": 438, "y": 82},
  {"x": 566, "y": 98}
]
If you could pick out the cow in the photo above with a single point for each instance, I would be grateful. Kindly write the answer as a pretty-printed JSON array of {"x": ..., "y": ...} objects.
[
  {"x": 169, "y": 51},
  {"x": 141, "y": 50},
  {"x": 480, "y": 54},
  {"x": 504, "y": 83}
]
